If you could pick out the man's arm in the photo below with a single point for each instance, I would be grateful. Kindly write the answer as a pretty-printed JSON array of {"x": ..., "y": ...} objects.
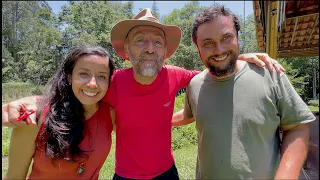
[
  {"x": 294, "y": 149},
  {"x": 262, "y": 59},
  {"x": 12, "y": 110},
  {"x": 179, "y": 119},
  {"x": 113, "y": 118}
]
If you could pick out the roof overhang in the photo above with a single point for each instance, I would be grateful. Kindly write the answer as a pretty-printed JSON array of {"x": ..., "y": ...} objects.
[{"x": 287, "y": 28}]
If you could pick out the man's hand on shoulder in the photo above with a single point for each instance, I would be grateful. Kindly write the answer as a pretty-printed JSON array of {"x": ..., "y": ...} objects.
[{"x": 262, "y": 59}]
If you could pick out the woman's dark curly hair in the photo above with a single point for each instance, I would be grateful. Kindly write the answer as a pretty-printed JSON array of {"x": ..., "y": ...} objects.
[
  {"x": 64, "y": 121},
  {"x": 211, "y": 14}
]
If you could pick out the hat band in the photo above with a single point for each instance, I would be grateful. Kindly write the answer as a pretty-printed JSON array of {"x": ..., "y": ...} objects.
[{"x": 148, "y": 18}]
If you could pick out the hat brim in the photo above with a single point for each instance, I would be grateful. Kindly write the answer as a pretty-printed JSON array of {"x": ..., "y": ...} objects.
[{"x": 120, "y": 30}]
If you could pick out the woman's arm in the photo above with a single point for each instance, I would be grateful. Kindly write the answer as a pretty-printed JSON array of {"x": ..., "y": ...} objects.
[{"x": 21, "y": 150}]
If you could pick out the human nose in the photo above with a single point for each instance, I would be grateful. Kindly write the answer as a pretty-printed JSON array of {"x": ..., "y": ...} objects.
[
  {"x": 218, "y": 49},
  {"x": 150, "y": 47},
  {"x": 92, "y": 83}
]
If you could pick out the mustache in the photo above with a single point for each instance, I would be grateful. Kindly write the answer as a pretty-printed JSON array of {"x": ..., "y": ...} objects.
[
  {"x": 152, "y": 56},
  {"x": 214, "y": 56}
]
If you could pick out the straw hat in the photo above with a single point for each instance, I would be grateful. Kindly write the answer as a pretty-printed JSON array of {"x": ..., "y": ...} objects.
[{"x": 120, "y": 31}]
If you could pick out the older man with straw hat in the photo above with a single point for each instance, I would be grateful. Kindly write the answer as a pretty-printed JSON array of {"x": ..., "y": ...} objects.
[{"x": 143, "y": 97}]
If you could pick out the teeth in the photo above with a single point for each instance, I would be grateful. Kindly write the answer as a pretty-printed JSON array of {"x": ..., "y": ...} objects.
[
  {"x": 89, "y": 93},
  {"x": 220, "y": 58}
]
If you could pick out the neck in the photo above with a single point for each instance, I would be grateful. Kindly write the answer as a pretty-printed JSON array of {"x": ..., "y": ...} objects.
[
  {"x": 239, "y": 65},
  {"x": 144, "y": 80},
  {"x": 89, "y": 110}
]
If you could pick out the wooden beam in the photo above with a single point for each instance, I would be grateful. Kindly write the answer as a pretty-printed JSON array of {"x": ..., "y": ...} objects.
[
  {"x": 298, "y": 54},
  {"x": 294, "y": 30},
  {"x": 268, "y": 24},
  {"x": 274, "y": 30},
  {"x": 314, "y": 25},
  {"x": 257, "y": 21},
  {"x": 303, "y": 13},
  {"x": 299, "y": 47}
]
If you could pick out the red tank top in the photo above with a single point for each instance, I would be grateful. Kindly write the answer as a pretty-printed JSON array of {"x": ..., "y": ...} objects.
[{"x": 97, "y": 140}]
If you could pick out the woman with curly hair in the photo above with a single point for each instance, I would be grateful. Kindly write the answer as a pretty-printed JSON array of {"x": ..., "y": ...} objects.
[{"x": 73, "y": 136}]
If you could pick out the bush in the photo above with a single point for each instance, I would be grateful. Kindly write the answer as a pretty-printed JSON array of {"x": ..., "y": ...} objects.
[
  {"x": 183, "y": 136},
  {"x": 314, "y": 102}
]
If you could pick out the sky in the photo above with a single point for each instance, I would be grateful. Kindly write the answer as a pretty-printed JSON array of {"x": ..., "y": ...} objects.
[{"x": 166, "y": 7}]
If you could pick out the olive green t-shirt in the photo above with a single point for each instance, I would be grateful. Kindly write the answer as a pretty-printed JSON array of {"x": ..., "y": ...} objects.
[{"x": 237, "y": 120}]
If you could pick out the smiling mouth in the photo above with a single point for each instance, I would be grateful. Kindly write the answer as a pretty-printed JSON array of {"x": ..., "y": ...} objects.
[
  {"x": 220, "y": 58},
  {"x": 90, "y": 94}
]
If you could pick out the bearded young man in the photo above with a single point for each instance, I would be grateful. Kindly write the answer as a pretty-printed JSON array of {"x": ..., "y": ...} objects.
[
  {"x": 238, "y": 109},
  {"x": 143, "y": 96}
]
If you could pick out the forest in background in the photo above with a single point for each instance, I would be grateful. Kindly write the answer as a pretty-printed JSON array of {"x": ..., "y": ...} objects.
[{"x": 35, "y": 40}]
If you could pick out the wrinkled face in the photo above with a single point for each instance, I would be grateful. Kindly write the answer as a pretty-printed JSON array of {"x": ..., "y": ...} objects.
[
  {"x": 146, "y": 49},
  {"x": 90, "y": 78},
  {"x": 218, "y": 46}
]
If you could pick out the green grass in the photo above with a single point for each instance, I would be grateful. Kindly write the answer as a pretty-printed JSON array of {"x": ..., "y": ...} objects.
[
  {"x": 185, "y": 159},
  {"x": 15, "y": 90},
  {"x": 313, "y": 108}
]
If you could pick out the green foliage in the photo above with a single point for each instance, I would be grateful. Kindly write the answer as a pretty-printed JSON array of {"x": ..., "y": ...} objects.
[
  {"x": 300, "y": 72},
  {"x": 6, "y": 134},
  {"x": 314, "y": 102},
  {"x": 183, "y": 136},
  {"x": 247, "y": 35}
]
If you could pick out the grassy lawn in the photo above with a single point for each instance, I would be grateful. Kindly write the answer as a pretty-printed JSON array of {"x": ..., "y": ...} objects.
[{"x": 313, "y": 108}]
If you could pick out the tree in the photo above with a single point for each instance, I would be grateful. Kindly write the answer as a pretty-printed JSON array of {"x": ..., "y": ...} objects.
[
  {"x": 155, "y": 10},
  {"x": 301, "y": 71},
  {"x": 187, "y": 54},
  {"x": 247, "y": 35},
  {"x": 29, "y": 35},
  {"x": 92, "y": 23}
]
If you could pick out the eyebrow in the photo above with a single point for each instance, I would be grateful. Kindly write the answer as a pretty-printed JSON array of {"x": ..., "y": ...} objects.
[
  {"x": 89, "y": 70},
  {"x": 155, "y": 33},
  {"x": 208, "y": 39}
]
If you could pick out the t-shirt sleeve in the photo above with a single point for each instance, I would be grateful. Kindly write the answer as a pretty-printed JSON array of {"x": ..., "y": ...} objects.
[
  {"x": 292, "y": 109},
  {"x": 187, "y": 104},
  {"x": 184, "y": 76},
  {"x": 111, "y": 95}
]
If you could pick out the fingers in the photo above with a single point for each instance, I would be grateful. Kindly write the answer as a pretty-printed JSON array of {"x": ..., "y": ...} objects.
[
  {"x": 269, "y": 61},
  {"x": 31, "y": 120},
  {"x": 282, "y": 68},
  {"x": 258, "y": 62},
  {"x": 14, "y": 111}
]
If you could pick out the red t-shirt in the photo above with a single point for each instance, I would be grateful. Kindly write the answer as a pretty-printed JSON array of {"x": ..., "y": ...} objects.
[
  {"x": 97, "y": 137},
  {"x": 143, "y": 120}
]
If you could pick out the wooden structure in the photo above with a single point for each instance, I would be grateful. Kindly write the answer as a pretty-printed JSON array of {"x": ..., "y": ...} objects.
[{"x": 287, "y": 28}]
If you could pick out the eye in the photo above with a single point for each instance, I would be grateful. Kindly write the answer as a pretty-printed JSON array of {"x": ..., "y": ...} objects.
[
  {"x": 208, "y": 43},
  {"x": 102, "y": 77},
  {"x": 84, "y": 74},
  {"x": 226, "y": 37}
]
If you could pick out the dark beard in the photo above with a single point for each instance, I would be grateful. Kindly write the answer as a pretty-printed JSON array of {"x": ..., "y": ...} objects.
[{"x": 230, "y": 68}]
